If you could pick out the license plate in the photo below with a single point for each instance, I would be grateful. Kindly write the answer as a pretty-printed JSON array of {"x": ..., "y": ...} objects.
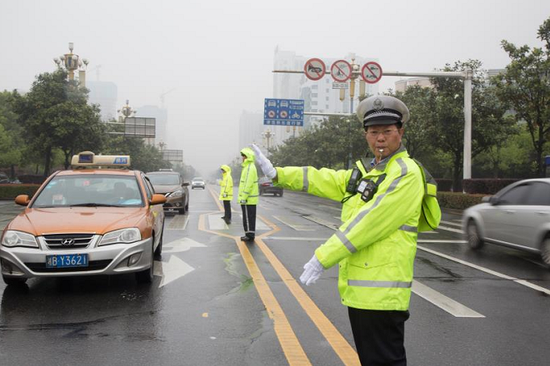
[{"x": 66, "y": 260}]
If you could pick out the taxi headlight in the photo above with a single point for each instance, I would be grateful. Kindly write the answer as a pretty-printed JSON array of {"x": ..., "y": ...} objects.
[
  {"x": 124, "y": 236},
  {"x": 177, "y": 193},
  {"x": 13, "y": 238}
]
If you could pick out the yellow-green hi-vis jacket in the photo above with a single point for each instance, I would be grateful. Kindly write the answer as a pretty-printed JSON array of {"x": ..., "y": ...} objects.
[
  {"x": 248, "y": 186},
  {"x": 376, "y": 244},
  {"x": 226, "y": 185}
]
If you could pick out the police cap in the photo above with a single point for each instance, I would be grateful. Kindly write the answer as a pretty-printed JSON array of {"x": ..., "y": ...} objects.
[{"x": 382, "y": 110}]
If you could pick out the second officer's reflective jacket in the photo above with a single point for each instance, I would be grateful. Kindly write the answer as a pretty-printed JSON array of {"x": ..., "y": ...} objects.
[
  {"x": 376, "y": 244},
  {"x": 248, "y": 186},
  {"x": 226, "y": 189}
]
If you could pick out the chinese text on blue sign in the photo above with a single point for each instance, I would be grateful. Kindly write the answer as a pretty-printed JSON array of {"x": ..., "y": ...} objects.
[{"x": 284, "y": 112}]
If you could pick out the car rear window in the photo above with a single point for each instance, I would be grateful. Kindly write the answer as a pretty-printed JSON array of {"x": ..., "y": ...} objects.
[
  {"x": 164, "y": 179},
  {"x": 90, "y": 190}
]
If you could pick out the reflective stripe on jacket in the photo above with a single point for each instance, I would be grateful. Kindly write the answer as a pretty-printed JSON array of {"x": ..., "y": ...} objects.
[
  {"x": 226, "y": 189},
  {"x": 248, "y": 186},
  {"x": 376, "y": 244}
]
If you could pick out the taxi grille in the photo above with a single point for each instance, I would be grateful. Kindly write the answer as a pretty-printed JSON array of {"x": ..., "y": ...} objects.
[{"x": 68, "y": 241}]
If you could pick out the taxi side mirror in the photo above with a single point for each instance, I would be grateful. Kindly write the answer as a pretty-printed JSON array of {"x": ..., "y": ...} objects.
[
  {"x": 22, "y": 200},
  {"x": 185, "y": 184},
  {"x": 157, "y": 199}
]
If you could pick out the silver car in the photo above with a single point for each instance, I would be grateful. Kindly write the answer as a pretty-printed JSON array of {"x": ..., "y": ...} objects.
[{"x": 518, "y": 217}]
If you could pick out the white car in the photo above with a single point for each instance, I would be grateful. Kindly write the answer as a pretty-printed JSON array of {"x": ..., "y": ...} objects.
[
  {"x": 198, "y": 182},
  {"x": 518, "y": 216}
]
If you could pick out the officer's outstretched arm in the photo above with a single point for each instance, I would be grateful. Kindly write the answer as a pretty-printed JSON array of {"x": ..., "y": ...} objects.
[{"x": 264, "y": 163}]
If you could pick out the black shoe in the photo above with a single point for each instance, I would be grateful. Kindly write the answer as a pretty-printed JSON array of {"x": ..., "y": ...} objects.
[
  {"x": 247, "y": 238},
  {"x": 223, "y": 218},
  {"x": 228, "y": 222}
]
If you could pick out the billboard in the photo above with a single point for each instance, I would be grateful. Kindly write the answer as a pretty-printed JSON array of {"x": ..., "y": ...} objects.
[
  {"x": 139, "y": 127},
  {"x": 173, "y": 156}
]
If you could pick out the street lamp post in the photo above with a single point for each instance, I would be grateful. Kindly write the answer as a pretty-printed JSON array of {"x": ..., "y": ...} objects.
[
  {"x": 72, "y": 62},
  {"x": 267, "y": 135}
]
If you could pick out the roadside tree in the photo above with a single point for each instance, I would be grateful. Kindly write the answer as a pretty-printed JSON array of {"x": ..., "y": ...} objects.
[
  {"x": 54, "y": 114},
  {"x": 490, "y": 125},
  {"x": 525, "y": 86}
]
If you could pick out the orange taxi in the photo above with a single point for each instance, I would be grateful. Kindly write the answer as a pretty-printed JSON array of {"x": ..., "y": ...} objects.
[{"x": 100, "y": 218}]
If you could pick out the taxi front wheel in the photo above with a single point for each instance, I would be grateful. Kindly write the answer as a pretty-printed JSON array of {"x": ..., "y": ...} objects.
[
  {"x": 10, "y": 281},
  {"x": 146, "y": 276}
]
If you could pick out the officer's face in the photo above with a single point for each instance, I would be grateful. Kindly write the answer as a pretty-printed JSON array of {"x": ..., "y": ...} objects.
[{"x": 383, "y": 140}]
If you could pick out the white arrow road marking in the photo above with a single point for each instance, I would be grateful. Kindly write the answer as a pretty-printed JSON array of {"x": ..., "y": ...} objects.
[
  {"x": 175, "y": 267},
  {"x": 172, "y": 270},
  {"x": 181, "y": 245}
]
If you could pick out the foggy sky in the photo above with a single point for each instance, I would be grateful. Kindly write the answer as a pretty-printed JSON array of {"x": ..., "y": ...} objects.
[{"x": 218, "y": 55}]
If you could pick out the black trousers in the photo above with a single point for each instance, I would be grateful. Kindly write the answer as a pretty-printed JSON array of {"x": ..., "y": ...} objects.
[
  {"x": 249, "y": 220},
  {"x": 379, "y": 336},
  {"x": 227, "y": 208}
]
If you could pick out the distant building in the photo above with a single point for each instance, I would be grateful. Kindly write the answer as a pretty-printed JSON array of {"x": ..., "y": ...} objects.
[
  {"x": 402, "y": 85},
  {"x": 161, "y": 117},
  {"x": 250, "y": 128},
  {"x": 105, "y": 94}
]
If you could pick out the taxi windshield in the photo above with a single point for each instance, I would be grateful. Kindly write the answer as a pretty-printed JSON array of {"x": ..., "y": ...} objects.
[
  {"x": 164, "y": 179},
  {"x": 90, "y": 191}
]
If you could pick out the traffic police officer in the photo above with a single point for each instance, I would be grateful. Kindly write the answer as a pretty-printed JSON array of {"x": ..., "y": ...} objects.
[
  {"x": 376, "y": 244},
  {"x": 226, "y": 192},
  {"x": 248, "y": 194}
]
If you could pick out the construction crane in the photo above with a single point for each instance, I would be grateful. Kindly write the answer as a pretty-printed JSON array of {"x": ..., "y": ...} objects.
[{"x": 162, "y": 97}]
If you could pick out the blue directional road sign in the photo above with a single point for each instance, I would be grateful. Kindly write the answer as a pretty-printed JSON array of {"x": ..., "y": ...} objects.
[{"x": 284, "y": 112}]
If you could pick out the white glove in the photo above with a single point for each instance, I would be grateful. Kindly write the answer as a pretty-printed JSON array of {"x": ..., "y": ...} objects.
[
  {"x": 264, "y": 163},
  {"x": 243, "y": 202},
  {"x": 312, "y": 271}
]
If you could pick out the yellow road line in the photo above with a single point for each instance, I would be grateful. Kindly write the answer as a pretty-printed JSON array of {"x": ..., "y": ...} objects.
[
  {"x": 290, "y": 344},
  {"x": 340, "y": 345},
  {"x": 215, "y": 198}
]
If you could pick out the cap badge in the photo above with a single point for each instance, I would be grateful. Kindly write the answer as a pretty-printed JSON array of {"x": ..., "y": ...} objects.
[{"x": 378, "y": 104}]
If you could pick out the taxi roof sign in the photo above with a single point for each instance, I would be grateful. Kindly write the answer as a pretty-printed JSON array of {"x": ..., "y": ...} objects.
[{"x": 88, "y": 158}]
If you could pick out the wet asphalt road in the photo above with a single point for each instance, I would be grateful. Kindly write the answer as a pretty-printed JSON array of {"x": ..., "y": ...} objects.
[{"x": 205, "y": 308}]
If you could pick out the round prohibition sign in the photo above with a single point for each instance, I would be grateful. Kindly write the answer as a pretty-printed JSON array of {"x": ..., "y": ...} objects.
[
  {"x": 283, "y": 114},
  {"x": 340, "y": 71},
  {"x": 271, "y": 114},
  {"x": 315, "y": 69},
  {"x": 371, "y": 72}
]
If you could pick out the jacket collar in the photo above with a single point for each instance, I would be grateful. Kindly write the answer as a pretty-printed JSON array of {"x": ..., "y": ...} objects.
[{"x": 381, "y": 166}]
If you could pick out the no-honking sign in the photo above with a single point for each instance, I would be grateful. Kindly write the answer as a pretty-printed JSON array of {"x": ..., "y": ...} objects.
[{"x": 315, "y": 69}]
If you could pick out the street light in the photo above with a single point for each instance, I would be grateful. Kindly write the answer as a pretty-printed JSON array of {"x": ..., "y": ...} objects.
[
  {"x": 72, "y": 62},
  {"x": 126, "y": 111},
  {"x": 267, "y": 135}
]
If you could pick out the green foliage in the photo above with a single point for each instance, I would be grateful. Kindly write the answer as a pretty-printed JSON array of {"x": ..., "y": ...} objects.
[
  {"x": 55, "y": 115},
  {"x": 511, "y": 159},
  {"x": 420, "y": 129},
  {"x": 525, "y": 86},
  {"x": 459, "y": 201},
  {"x": 143, "y": 157},
  {"x": 11, "y": 146},
  {"x": 10, "y": 191},
  {"x": 490, "y": 125},
  {"x": 328, "y": 144}
]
